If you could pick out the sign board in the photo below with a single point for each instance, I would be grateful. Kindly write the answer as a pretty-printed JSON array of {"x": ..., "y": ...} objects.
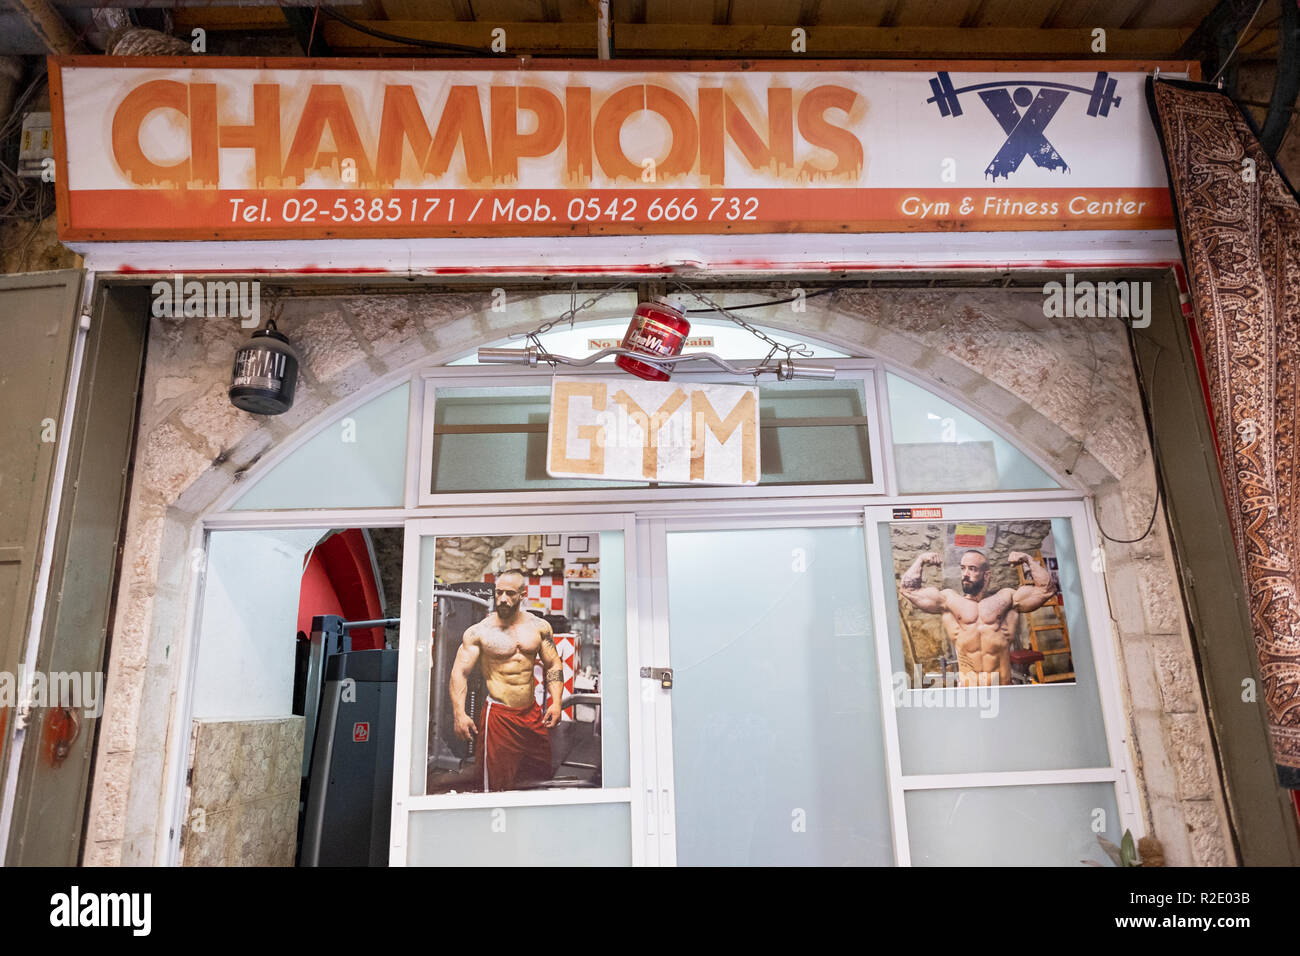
[
  {"x": 626, "y": 429},
  {"x": 232, "y": 148}
]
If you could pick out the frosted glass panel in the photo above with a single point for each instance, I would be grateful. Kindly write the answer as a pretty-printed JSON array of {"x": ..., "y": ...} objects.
[
  {"x": 1050, "y": 825},
  {"x": 938, "y": 447},
  {"x": 495, "y": 439},
  {"x": 356, "y": 462},
  {"x": 777, "y": 745},
  {"x": 593, "y": 834},
  {"x": 1046, "y": 726},
  {"x": 247, "y": 637},
  {"x": 494, "y": 460}
]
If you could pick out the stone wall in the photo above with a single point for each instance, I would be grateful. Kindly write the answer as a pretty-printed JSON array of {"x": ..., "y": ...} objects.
[
  {"x": 242, "y": 807},
  {"x": 1065, "y": 389}
]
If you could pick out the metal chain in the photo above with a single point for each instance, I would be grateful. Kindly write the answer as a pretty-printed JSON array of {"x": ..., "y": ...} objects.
[
  {"x": 799, "y": 348},
  {"x": 534, "y": 336}
]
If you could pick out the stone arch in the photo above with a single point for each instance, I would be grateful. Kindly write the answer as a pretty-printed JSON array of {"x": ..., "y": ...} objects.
[{"x": 1066, "y": 393}]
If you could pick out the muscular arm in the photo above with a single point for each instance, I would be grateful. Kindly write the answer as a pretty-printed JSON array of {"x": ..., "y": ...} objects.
[
  {"x": 466, "y": 660},
  {"x": 1032, "y": 596},
  {"x": 553, "y": 675},
  {"x": 930, "y": 600}
]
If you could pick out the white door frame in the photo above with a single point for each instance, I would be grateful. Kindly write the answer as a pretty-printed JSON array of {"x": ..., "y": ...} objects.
[
  {"x": 403, "y": 802},
  {"x": 1119, "y": 772}
]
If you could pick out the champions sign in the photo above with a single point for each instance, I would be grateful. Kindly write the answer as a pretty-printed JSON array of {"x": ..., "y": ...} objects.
[{"x": 204, "y": 148}]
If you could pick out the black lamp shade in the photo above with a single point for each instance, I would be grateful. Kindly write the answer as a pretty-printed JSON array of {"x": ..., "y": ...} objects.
[{"x": 265, "y": 374}]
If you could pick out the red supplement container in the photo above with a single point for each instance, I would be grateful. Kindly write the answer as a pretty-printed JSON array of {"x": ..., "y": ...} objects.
[{"x": 658, "y": 327}]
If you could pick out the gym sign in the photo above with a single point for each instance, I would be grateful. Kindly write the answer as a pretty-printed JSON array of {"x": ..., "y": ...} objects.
[
  {"x": 231, "y": 148},
  {"x": 623, "y": 429}
]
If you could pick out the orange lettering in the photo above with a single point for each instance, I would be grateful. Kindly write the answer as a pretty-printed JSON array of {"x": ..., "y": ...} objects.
[
  {"x": 401, "y": 121},
  {"x": 462, "y": 119},
  {"x": 326, "y": 105},
  {"x": 814, "y": 128},
  {"x": 577, "y": 135},
  {"x": 650, "y": 424},
  {"x": 742, "y": 416},
  {"x": 507, "y": 143},
  {"x": 609, "y": 122},
  {"x": 594, "y": 463},
  {"x": 136, "y": 106},
  {"x": 681, "y": 120},
  {"x": 720, "y": 114},
  {"x": 631, "y": 99},
  {"x": 262, "y": 137},
  {"x": 713, "y": 159}
]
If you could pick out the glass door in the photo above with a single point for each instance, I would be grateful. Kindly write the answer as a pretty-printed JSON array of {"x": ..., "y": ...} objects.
[
  {"x": 773, "y": 721},
  {"x": 514, "y": 721}
]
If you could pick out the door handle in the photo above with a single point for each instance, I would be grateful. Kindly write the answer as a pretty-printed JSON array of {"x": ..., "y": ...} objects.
[{"x": 62, "y": 728}]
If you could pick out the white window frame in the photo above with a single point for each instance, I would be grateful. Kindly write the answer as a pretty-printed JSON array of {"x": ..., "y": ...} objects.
[
  {"x": 468, "y": 377},
  {"x": 404, "y": 803},
  {"x": 1119, "y": 773},
  {"x": 678, "y": 507}
]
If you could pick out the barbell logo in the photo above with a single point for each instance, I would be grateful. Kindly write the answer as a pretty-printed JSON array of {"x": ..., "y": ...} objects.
[{"x": 1024, "y": 115}]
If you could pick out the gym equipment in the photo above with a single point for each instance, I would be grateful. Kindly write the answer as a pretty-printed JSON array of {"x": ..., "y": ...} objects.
[{"x": 349, "y": 798}]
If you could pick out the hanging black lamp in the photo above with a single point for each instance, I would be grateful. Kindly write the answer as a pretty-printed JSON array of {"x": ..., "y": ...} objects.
[{"x": 265, "y": 374}]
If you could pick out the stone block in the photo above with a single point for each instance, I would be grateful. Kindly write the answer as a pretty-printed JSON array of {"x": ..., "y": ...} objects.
[
  {"x": 208, "y": 846},
  {"x": 1170, "y": 828},
  {"x": 1120, "y": 442},
  {"x": 1143, "y": 693},
  {"x": 216, "y": 765},
  {"x": 1189, "y": 750},
  {"x": 1206, "y": 834},
  {"x": 168, "y": 463},
  {"x": 386, "y": 322},
  {"x": 1022, "y": 364},
  {"x": 132, "y": 624},
  {"x": 257, "y": 751},
  {"x": 168, "y": 388},
  {"x": 148, "y": 785},
  {"x": 102, "y": 854},
  {"x": 327, "y": 345},
  {"x": 456, "y": 333},
  {"x": 1156, "y": 770},
  {"x": 1180, "y": 691},
  {"x": 121, "y": 708},
  {"x": 254, "y": 842},
  {"x": 288, "y": 756},
  {"x": 156, "y": 697},
  {"x": 1162, "y": 605},
  {"x": 108, "y": 807},
  {"x": 215, "y": 421},
  {"x": 284, "y": 829}
]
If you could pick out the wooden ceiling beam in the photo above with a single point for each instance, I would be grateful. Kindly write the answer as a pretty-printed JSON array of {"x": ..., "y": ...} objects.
[
  {"x": 864, "y": 42},
  {"x": 546, "y": 39},
  {"x": 827, "y": 42}
]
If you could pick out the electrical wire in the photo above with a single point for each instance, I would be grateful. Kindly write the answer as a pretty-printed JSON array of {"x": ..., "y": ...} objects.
[
  {"x": 760, "y": 305},
  {"x": 410, "y": 41},
  {"x": 1155, "y": 454},
  {"x": 1240, "y": 36},
  {"x": 21, "y": 197}
]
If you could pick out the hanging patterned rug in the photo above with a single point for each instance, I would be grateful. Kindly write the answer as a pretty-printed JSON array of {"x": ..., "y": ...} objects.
[{"x": 1239, "y": 224}]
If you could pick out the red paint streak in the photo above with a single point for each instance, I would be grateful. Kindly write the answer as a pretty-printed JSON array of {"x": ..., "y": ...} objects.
[{"x": 755, "y": 265}]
